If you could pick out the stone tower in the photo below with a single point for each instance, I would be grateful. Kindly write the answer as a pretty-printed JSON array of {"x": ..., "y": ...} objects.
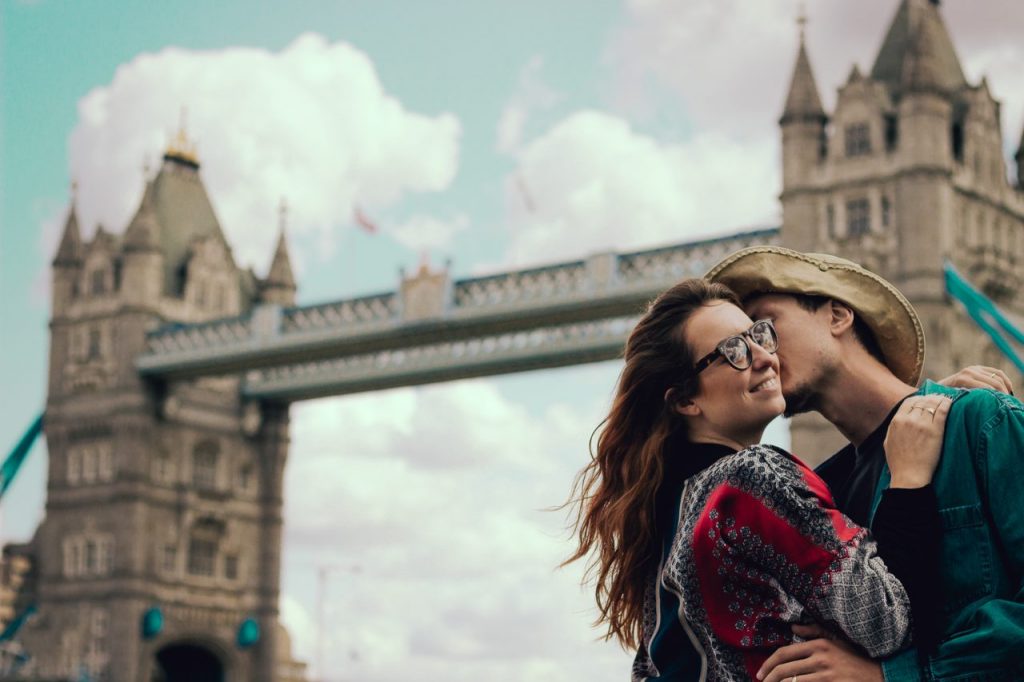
[
  {"x": 907, "y": 172},
  {"x": 159, "y": 497}
]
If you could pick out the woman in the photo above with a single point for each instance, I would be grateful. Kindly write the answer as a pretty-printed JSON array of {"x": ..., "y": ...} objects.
[{"x": 708, "y": 546}]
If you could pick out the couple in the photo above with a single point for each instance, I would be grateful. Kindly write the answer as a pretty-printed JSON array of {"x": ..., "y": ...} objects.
[{"x": 711, "y": 551}]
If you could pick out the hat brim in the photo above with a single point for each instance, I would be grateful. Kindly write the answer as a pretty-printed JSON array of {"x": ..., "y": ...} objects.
[{"x": 774, "y": 269}]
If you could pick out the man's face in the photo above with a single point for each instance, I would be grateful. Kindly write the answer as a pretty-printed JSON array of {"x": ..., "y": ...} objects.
[{"x": 803, "y": 347}]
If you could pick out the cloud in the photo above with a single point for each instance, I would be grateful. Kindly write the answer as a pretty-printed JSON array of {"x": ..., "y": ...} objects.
[
  {"x": 532, "y": 94},
  {"x": 424, "y": 232},
  {"x": 312, "y": 123},
  {"x": 725, "y": 65},
  {"x": 451, "y": 560},
  {"x": 592, "y": 183}
]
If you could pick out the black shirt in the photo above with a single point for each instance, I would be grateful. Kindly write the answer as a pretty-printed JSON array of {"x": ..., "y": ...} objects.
[{"x": 906, "y": 525}]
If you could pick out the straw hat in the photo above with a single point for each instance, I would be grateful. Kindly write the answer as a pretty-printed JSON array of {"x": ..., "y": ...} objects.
[{"x": 887, "y": 312}]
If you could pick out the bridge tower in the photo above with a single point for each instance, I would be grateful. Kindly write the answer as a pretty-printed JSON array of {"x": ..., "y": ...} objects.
[
  {"x": 908, "y": 171},
  {"x": 159, "y": 496}
]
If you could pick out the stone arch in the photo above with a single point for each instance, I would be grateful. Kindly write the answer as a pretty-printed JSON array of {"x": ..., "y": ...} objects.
[{"x": 191, "y": 659}]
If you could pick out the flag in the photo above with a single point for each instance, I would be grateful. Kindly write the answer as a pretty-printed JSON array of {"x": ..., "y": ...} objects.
[
  {"x": 12, "y": 628},
  {"x": 524, "y": 192},
  {"x": 10, "y": 467},
  {"x": 362, "y": 221},
  {"x": 1000, "y": 328}
]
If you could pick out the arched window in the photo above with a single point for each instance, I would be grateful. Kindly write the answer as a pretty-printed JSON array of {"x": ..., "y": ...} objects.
[
  {"x": 105, "y": 462},
  {"x": 74, "y": 471},
  {"x": 202, "y": 555},
  {"x": 98, "y": 283},
  {"x": 88, "y": 464},
  {"x": 204, "y": 465}
]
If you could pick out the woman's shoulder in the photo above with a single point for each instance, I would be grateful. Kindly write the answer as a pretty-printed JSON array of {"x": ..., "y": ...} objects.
[{"x": 756, "y": 467}]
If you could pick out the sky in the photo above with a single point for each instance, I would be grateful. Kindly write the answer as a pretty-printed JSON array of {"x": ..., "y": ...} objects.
[{"x": 485, "y": 135}]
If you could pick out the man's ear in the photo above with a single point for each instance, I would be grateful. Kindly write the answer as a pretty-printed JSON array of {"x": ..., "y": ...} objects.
[{"x": 840, "y": 317}]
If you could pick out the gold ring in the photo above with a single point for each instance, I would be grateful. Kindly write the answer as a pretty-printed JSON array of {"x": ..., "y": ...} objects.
[{"x": 992, "y": 375}]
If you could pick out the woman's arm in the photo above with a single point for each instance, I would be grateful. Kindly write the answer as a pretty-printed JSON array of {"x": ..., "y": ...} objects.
[{"x": 773, "y": 521}]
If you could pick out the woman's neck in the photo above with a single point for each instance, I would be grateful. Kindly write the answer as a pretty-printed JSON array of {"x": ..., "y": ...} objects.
[{"x": 735, "y": 442}]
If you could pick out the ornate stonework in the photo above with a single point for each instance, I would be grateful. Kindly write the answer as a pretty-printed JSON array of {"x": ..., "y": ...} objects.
[{"x": 908, "y": 171}]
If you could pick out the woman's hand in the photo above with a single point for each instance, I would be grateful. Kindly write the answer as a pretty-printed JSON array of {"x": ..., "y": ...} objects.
[
  {"x": 979, "y": 376},
  {"x": 914, "y": 441}
]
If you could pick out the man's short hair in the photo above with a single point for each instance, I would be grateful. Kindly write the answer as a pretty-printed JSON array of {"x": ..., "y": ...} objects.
[{"x": 861, "y": 331}]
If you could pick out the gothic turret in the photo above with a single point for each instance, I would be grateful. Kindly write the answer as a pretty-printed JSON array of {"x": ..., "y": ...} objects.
[
  {"x": 917, "y": 53},
  {"x": 143, "y": 232},
  {"x": 918, "y": 65},
  {"x": 67, "y": 263},
  {"x": 279, "y": 285},
  {"x": 804, "y": 143},
  {"x": 143, "y": 259}
]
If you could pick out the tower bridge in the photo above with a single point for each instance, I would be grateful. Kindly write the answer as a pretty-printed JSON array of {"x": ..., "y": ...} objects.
[
  {"x": 171, "y": 368},
  {"x": 434, "y": 329}
]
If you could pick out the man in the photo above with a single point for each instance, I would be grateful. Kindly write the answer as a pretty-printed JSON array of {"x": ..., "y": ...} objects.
[{"x": 852, "y": 348}]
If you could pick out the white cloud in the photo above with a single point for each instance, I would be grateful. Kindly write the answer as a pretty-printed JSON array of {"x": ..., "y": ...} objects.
[
  {"x": 725, "y": 65},
  {"x": 312, "y": 123},
  {"x": 532, "y": 94},
  {"x": 457, "y": 560},
  {"x": 423, "y": 232},
  {"x": 592, "y": 183}
]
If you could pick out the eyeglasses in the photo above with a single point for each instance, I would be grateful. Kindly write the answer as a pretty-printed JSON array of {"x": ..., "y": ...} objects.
[{"x": 736, "y": 349}]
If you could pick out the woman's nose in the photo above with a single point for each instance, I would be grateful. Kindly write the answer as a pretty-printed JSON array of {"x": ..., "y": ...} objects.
[{"x": 760, "y": 358}]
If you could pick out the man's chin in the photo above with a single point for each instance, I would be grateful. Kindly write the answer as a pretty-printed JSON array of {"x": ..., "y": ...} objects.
[{"x": 798, "y": 402}]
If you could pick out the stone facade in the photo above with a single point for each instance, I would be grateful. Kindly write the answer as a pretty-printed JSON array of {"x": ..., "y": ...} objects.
[
  {"x": 158, "y": 495},
  {"x": 907, "y": 172}
]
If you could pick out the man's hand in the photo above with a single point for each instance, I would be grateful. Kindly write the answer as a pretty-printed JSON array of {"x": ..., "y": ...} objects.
[
  {"x": 979, "y": 376},
  {"x": 820, "y": 659}
]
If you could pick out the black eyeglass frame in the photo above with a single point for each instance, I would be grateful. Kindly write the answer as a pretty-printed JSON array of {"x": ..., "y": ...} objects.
[{"x": 747, "y": 338}]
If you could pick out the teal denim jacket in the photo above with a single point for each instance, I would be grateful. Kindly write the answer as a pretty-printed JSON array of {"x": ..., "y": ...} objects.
[{"x": 980, "y": 488}]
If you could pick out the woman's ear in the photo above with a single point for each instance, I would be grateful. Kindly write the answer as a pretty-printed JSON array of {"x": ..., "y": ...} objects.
[{"x": 687, "y": 408}]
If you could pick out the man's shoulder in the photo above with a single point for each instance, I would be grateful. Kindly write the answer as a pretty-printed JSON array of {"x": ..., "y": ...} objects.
[{"x": 976, "y": 403}]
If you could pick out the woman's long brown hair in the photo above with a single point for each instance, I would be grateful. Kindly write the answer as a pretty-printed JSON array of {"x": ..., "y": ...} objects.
[{"x": 614, "y": 495}]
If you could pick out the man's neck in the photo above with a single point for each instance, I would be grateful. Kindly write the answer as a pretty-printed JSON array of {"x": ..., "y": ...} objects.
[{"x": 858, "y": 399}]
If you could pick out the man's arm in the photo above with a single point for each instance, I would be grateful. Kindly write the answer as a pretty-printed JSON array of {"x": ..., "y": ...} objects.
[
  {"x": 991, "y": 635},
  {"x": 822, "y": 653}
]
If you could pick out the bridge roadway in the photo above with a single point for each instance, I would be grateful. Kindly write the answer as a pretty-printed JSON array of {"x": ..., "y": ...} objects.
[{"x": 434, "y": 329}]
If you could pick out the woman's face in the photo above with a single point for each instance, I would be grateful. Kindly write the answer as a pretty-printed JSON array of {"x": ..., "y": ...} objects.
[{"x": 731, "y": 404}]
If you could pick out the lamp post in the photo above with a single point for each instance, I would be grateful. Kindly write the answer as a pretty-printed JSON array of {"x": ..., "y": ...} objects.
[{"x": 323, "y": 572}]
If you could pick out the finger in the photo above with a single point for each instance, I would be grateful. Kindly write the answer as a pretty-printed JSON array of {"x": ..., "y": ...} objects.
[
  {"x": 810, "y": 631},
  {"x": 1002, "y": 381},
  {"x": 785, "y": 672},
  {"x": 786, "y": 654},
  {"x": 940, "y": 410},
  {"x": 987, "y": 377}
]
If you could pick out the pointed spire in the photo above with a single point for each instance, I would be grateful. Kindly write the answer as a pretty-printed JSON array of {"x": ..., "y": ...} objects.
[
  {"x": 143, "y": 233},
  {"x": 917, "y": 53},
  {"x": 280, "y": 274},
  {"x": 182, "y": 149},
  {"x": 70, "y": 250},
  {"x": 803, "y": 102},
  {"x": 855, "y": 75}
]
